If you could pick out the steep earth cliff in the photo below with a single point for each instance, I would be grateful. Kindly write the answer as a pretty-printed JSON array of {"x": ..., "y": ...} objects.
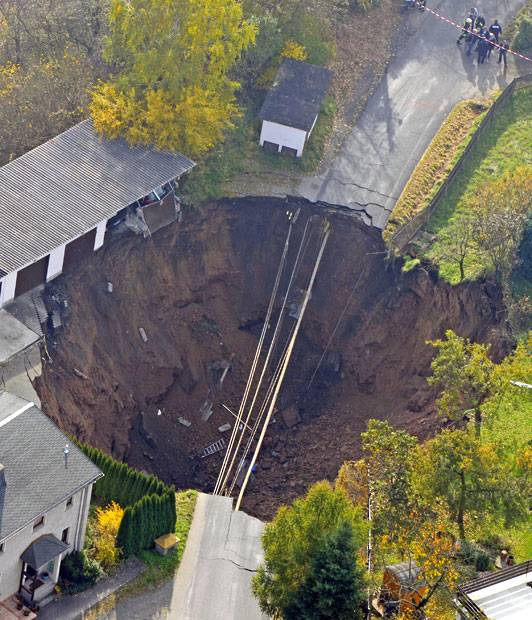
[{"x": 199, "y": 290}]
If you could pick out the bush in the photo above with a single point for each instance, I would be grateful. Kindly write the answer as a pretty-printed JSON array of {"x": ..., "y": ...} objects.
[
  {"x": 108, "y": 520},
  {"x": 313, "y": 34},
  {"x": 523, "y": 38},
  {"x": 78, "y": 572},
  {"x": 482, "y": 561}
]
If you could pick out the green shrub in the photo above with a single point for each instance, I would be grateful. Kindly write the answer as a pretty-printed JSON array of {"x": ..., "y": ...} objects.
[
  {"x": 523, "y": 38},
  {"x": 313, "y": 34},
  {"x": 482, "y": 561},
  {"x": 78, "y": 572}
]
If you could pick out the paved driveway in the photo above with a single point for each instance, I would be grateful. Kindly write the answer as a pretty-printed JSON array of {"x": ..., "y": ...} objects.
[{"x": 429, "y": 75}]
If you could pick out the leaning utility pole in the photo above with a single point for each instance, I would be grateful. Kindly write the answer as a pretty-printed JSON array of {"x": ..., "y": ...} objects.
[{"x": 285, "y": 364}]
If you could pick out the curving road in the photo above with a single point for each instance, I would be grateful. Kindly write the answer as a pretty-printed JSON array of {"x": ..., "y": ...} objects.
[{"x": 428, "y": 76}]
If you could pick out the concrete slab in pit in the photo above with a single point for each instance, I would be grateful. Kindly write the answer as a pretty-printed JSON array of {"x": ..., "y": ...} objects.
[{"x": 15, "y": 337}]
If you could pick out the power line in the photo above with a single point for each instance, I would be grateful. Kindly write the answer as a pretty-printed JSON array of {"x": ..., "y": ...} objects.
[
  {"x": 249, "y": 382},
  {"x": 301, "y": 252},
  {"x": 327, "y": 231}
]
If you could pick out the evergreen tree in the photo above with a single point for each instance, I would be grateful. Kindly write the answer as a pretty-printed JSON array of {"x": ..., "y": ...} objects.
[
  {"x": 124, "y": 538},
  {"x": 334, "y": 586}
]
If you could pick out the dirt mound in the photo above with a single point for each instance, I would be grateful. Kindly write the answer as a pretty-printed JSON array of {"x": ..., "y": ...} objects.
[{"x": 142, "y": 371}]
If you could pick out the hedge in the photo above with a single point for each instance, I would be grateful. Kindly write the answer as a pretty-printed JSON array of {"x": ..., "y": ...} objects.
[
  {"x": 121, "y": 483},
  {"x": 149, "y": 504}
]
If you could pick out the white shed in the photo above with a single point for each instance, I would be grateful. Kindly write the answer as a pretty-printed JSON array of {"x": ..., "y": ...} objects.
[{"x": 292, "y": 105}]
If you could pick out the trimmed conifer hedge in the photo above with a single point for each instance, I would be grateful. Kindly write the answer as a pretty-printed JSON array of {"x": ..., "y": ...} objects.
[{"x": 149, "y": 503}]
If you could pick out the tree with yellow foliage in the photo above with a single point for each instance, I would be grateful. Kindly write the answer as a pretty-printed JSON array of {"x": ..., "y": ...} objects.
[
  {"x": 108, "y": 520},
  {"x": 170, "y": 64}
]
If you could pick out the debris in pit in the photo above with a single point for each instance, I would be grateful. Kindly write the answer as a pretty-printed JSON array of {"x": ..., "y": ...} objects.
[
  {"x": 184, "y": 421},
  {"x": 213, "y": 448},
  {"x": 109, "y": 287},
  {"x": 224, "y": 428},
  {"x": 142, "y": 333},
  {"x": 208, "y": 326},
  {"x": 291, "y": 417},
  {"x": 80, "y": 374},
  {"x": 219, "y": 370},
  {"x": 206, "y": 410}
]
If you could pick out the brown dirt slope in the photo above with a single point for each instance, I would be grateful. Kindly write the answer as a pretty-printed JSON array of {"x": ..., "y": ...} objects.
[{"x": 200, "y": 289}]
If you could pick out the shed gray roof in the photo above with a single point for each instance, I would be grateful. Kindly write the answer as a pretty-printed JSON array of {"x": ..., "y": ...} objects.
[
  {"x": 296, "y": 95},
  {"x": 407, "y": 573},
  {"x": 63, "y": 188},
  {"x": 31, "y": 451},
  {"x": 43, "y": 550}
]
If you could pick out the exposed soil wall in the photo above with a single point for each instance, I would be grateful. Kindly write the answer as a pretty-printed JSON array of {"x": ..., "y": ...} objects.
[{"x": 199, "y": 290}]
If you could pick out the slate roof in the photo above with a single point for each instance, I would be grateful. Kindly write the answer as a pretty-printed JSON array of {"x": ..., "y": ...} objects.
[
  {"x": 63, "y": 188},
  {"x": 31, "y": 451},
  {"x": 43, "y": 550},
  {"x": 296, "y": 95}
]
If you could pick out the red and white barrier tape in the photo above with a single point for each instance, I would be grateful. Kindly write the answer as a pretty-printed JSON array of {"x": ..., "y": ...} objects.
[{"x": 450, "y": 21}]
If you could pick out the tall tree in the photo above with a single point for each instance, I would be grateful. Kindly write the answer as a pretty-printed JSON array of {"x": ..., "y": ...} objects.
[
  {"x": 292, "y": 540},
  {"x": 463, "y": 372},
  {"x": 388, "y": 454},
  {"x": 499, "y": 212},
  {"x": 472, "y": 478},
  {"x": 334, "y": 586},
  {"x": 171, "y": 63}
]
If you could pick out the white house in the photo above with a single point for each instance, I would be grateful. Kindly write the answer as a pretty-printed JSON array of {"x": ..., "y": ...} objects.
[
  {"x": 57, "y": 199},
  {"x": 45, "y": 490},
  {"x": 292, "y": 105}
]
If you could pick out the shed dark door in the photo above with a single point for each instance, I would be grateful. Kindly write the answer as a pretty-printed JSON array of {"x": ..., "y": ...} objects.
[
  {"x": 78, "y": 250},
  {"x": 31, "y": 276}
]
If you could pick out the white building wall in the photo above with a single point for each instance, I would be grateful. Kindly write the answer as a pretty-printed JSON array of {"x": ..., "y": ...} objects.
[
  {"x": 100, "y": 235},
  {"x": 9, "y": 283},
  {"x": 55, "y": 263},
  {"x": 283, "y": 136},
  {"x": 55, "y": 521}
]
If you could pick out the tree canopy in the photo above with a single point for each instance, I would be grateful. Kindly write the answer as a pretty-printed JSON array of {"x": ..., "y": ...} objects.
[
  {"x": 462, "y": 370},
  {"x": 170, "y": 83},
  {"x": 293, "y": 544}
]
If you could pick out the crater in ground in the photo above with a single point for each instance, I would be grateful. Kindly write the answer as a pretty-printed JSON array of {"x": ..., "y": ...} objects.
[{"x": 198, "y": 290}]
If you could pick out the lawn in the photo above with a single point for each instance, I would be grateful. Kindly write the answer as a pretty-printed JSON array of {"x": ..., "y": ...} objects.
[
  {"x": 159, "y": 567},
  {"x": 241, "y": 154},
  {"x": 506, "y": 145}
]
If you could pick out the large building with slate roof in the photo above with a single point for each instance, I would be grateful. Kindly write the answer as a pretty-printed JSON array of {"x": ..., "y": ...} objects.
[
  {"x": 45, "y": 490},
  {"x": 292, "y": 105},
  {"x": 57, "y": 199}
]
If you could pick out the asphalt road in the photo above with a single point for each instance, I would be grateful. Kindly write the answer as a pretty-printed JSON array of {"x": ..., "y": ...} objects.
[
  {"x": 427, "y": 77},
  {"x": 213, "y": 581}
]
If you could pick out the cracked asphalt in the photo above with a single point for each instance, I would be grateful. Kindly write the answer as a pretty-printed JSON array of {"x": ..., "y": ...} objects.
[
  {"x": 428, "y": 76},
  {"x": 214, "y": 578}
]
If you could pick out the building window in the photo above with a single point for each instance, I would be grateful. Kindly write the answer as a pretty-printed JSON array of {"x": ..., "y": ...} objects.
[
  {"x": 64, "y": 535},
  {"x": 38, "y": 523},
  {"x": 70, "y": 502}
]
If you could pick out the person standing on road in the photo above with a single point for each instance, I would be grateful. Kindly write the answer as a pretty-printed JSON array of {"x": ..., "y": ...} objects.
[
  {"x": 482, "y": 49},
  {"x": 505, "y": 45},
  {"x": 480, "y": 22},
  {"x": 471, "y": 41},
  {"x": 496, "y": 29},
  {"x": 490, "y": 45},
  {"x": 468, "y": 25}
]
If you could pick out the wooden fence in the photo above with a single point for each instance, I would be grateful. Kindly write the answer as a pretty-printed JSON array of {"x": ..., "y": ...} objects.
[{"x": 402, "y": 237}]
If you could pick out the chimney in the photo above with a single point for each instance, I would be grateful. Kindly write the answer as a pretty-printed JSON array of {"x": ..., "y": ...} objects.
[{"x": 2, "y": 476}]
